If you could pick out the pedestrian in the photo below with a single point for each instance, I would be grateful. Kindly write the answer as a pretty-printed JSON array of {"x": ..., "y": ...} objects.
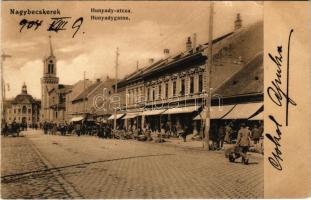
[
  {"x": 243, "y": 141},
  {"x": 185, "y": 133},
  {"x": 228, "y": 132},
  {"x": 221, "y": 136},
  {"x": 256, "y": 134},
  {"x": 45, "y": 127}
]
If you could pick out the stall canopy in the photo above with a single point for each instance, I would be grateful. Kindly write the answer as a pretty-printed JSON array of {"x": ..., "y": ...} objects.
[
  {"x": 131, "y": 115},
  {"x": 153, "y": 112},
  {"x": 188, "y": 109},
  {"x": 76, "y": 119},
  {"x": 243, "y": 111},
  {"x": 217, "y": 112},
  {"x": 118, "y": 116}
]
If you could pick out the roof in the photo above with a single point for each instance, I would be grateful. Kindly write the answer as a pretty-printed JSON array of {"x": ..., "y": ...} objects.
[
  {"x": 84, "y": 94},
  {"x": 64, "y": 88},
  {"x": 243, "y": 43},
  {"x": 23, "y": 98},
  {"x": 7, "y": 103},
  {"x": 249, "y": 80},
  {"x": 163, "y": 63}
]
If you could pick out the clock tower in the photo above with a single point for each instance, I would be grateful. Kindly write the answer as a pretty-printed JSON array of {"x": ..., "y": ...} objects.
[{"x": 49, "y": 81}]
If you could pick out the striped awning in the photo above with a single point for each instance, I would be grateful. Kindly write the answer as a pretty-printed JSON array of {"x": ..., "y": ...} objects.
[
  {"x": 243, "y": 111},
  {"x": 188, "y": 109},
  {"x": 217, "y": 112},
  {"x": 152, "y": 112},
  {"x": 76, "y": 119},
  {"x": 118, "y": 116},
  {"x": 130, "y": 115}
]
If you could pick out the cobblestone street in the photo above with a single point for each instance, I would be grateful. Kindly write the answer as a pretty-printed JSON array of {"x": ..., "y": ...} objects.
[{"x": 53, "y": 166}]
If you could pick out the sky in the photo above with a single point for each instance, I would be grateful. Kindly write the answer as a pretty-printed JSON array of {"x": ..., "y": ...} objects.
[{"x": 153, "y": 26}]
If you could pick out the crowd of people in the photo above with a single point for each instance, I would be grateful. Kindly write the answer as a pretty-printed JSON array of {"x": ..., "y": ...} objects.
[
  {"x": 220, "y": 133},
  {"x": 15, "y": 128},
  {"x": 82, "y": 128},
  {"x": 228, "y": 133}
]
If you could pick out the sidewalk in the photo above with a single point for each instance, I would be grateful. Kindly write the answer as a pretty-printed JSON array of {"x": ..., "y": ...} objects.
[{"x": 197, "y": 145}]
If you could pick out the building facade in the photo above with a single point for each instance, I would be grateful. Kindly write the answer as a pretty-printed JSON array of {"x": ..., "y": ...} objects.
[
  {"x": 23, "y": 109},
  {"x": 93, "y": 100},
  {"x": 173, "y": 89}
]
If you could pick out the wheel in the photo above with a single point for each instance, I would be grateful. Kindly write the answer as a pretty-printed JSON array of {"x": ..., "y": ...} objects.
[{"x": 231, "y": 158}]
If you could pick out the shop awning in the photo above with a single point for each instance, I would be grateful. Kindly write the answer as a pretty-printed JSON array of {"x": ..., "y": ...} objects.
[
  {"x": 243, "y": 111},
  {"x": 76, "y": 119},
  {"x": 118, "y": 116},
  {"x": 217, "y": 112},
  {"x": 188, "y": 109},
  {"x": 152, "y": 112},
  {"x": 130, "y": 115}
]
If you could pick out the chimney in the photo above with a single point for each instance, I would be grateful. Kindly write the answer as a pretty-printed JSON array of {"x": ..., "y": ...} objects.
[
  {"x": 194, "y": 41},
  {"x": 151, "y": 60},
  {"x": 237, "y": 22},
  {"x": 137, "y": 65},
  {"x": 98, "y": 80},
  {"x": 166, "y": 53},
  {"x": 188, "y": 44}
]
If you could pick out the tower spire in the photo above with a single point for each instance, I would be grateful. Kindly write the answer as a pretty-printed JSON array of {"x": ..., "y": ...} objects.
[{"x": 51, "y": 48}]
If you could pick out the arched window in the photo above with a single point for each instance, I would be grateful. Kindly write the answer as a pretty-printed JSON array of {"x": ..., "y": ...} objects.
[
  {"x": 24, "y": 110},
  {"x": 51, "y": 67}
]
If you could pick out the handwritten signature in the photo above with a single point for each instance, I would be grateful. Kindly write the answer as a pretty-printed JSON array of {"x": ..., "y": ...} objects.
[
  {"x": 277, "y": 96},
  {"x": 57, "y": 24}
]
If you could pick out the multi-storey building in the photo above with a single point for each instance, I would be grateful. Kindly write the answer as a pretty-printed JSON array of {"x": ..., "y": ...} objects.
[
  {"x": 174, "y": 88},
  {"x": 22, "y": 109}
]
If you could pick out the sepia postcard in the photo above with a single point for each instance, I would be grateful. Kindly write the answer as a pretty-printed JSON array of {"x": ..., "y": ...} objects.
[{"x": 155, "y": 99}]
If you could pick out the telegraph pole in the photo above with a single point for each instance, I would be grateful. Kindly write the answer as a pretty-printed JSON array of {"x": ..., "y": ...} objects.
[
  {"x": 208, "y": 68},
  {"x": 84, "y": 90},
  {"x": 3, "y": 57},
  {"x": 116, "y": 89}
]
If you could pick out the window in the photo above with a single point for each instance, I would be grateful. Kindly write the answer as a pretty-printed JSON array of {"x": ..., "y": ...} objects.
[
  {"x": 160, "y": 91},
  {"x": 14, "y": 111},
  {"x": 191, "y": 85},
  {"x": 174, "y": 88},
  {"x": 19, "y": 111},
  {"x": 166, "y": 90},
  {"x": 153, "y": 94},
  {"x": 200, "y": 83},
  {"x": 148, "y": 94},
  {"x": 50, "y": 67},
  {"x": 24, "y": 109},
  {"x": 182, "y": 87},
  {"x": 29, "y": 110}
]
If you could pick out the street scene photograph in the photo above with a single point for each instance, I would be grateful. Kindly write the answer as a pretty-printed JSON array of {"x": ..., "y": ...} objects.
[{"x": 110, "y": 100}]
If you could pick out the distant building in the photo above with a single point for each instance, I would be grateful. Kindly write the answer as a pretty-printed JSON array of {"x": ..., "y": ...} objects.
[
  {"x": 23, "y": 108},
  {"x": 92, "y": 100}
]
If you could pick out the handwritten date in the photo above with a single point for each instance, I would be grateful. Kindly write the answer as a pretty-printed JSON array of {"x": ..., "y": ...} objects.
[{"x": 57, "y": 24}]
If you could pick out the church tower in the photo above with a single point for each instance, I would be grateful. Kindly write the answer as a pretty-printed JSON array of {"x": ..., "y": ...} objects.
[{"x": 49, "y": 81}]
